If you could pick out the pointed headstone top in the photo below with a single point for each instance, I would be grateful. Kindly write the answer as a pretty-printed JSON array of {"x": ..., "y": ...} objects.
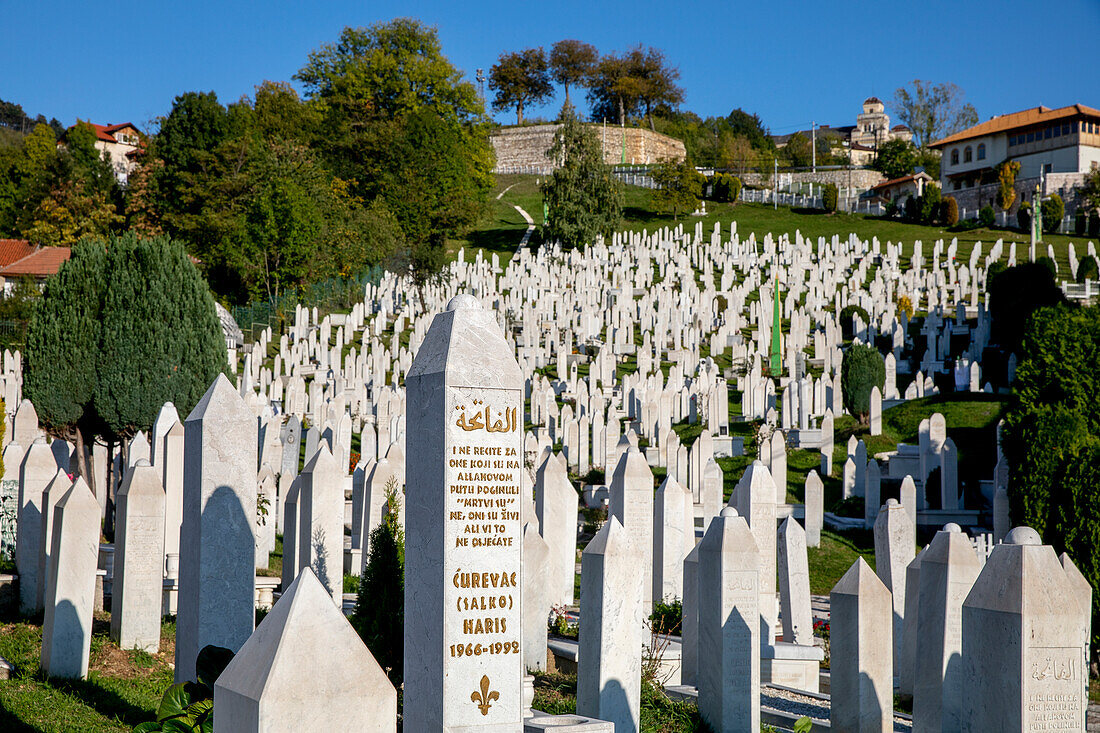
[
  {"x": 612, "y": 539},
  {"x": 220, "y": 399},
  {"x": 859, "y": 579}
]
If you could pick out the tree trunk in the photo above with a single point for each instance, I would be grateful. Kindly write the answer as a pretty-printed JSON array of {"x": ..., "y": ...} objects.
[
  {"x": 519, "y": 113},
  {"x": 108, "y": 490},
  {"x": 649, "y": 114},
  {"x": 622, "y": 111}
]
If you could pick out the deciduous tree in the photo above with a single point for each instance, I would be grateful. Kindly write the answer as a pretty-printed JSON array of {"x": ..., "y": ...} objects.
[
  {"x": 895, "y": 158},
  {"x": 519, "y": 79},
  {"x": 679, "y": 187},
  {"x": 933, "y": 111},
  {"x": 572, "y": 63}
]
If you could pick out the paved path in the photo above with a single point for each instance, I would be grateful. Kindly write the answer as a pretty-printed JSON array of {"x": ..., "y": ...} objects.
[{"x": 526, "y": 217}]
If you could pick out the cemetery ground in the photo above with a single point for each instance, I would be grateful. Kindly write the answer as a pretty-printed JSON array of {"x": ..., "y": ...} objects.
[
  {"x": 502, "y": 227},
  {"x": 123, "y": 687}
]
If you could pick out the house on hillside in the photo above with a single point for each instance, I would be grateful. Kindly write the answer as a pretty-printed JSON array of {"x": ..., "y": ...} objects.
[
  {"x": 899, "y": 189},
  {"x": 119, "y": 145},
  {"x": 1044, "y": 141},
  {"x": 39, "y": 263}
]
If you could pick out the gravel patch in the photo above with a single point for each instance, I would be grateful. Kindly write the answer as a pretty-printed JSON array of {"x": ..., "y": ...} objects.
[{"x": 796, "y": 704}]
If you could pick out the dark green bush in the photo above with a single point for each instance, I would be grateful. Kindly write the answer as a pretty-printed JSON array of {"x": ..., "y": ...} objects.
[
  {"x": 912, "y": 209},
  {"x": 861, "y": 371},
  {"x": 1023, "y": 216},
  {"x": 930, "y": 203},
  {"x": 829, "y": 197},
  {"x": 379, "y": 615},
  {"x": 986, "y": 217},
  {"x": 847, "y": 328},
  {"x": 1087, "y": 269},
  {"x": 667, "y": 616},
  {"x": 1053, "y": 210},
  {"x": 1014, "y": 294},
  {"x": 1048, "y": 264},
  {"x": 949, "y": 211},
  {"x": 726, "y": 188},
  {"x": 1080, "y": 222},
  {"x": 1094, "y": 223}
]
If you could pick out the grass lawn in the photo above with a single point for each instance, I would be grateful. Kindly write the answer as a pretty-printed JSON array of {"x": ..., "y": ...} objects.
[
  {"x": 123, "y": 687},
  {"x": 837, "y": 552}
]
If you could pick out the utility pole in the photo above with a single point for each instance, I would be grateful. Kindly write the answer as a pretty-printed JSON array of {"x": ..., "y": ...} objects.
[
  {"x": 813, "y": 144},
  {"x": 480, "y": 76},
  {"x": 775, "y": 184}
]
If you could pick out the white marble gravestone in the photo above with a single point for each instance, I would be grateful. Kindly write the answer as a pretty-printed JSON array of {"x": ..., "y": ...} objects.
[
  {"x": 70, "y": 595},
  {"x": 304, "y": 668},
  {"x": 609, "y": 668},
  {"x": 728, "y": 675},
  {"x": 217, "y": 544},
  {"x": 139, "y": 548},
  {"x": 862, "y": 688},
  {"x": 463, "y": 661}
]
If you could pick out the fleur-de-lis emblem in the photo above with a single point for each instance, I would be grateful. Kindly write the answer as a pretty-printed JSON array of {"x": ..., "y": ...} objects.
[{"x": 485, "y": 698}]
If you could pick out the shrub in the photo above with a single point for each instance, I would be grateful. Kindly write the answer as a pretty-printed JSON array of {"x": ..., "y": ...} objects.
[
  {"x": 1080, "y": 222},
  {"x": 1053, "y": 209},
  {"x": 1094, "y": 223},
  {"x": 1051, "y": 435},
  {"x": 829, "y": 195},
  {"x": 667, "y": 616},
  {"x": 726, "y": 188},
  {"x": 379, "y": 616},
  {"x": 950, "y": 211},
  {"x": 1014, "y": 294},
  {"x": 905, "y": 305},
  {"x": 1087, "y": 269},
  {"x": 1049, "y": 264},
  {"x": 1023, "y": 216},
  {"x": 912, "y": 208},
  {"x": 930, "y": 203},
  {"x": 847, "y": 327},
  {"x": 861, "y": 371},
  {"x": 986, "y": 217}
]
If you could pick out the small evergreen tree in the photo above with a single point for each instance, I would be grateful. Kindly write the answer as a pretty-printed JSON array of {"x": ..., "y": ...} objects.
[
  {"x": 1053, "y": 211},
  {"x": 1087, "y": 269},
  {"x": 161, "y": 340},
  {"x": 950, "y": 213},
  {"x": 379, "y": 616},
  {"x": 1006, "y": 178},
  {"x": 1023, "y": 216},
  {"x": 862, "y": 370},
  {"x": 1080, "y": 222},
  {"x": 583, "y": 197},
  {"x": 680, "y": 187},
  {"x": 930, "y": 203},
  {"x": 829, "y": 197},
  {"x": 986, "y": 216}
]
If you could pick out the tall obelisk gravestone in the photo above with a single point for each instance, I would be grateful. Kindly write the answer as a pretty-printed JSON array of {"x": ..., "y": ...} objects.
[{"x": 463, "y": 533}]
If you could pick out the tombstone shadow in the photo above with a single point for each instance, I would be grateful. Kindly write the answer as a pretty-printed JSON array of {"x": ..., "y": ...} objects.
[
  {"x": 67, "y": 640},
  {"x": 870, "y": 712},
  {"x": 228, "y": 564},
  {"x": 615, "y": 707}
]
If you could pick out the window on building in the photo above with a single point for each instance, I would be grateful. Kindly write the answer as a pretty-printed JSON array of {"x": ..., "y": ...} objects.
[
  {"x": 1065, "y": 129},
  {"x": 1047, "y": 133},
  {"x": 968, "y": 154},
  {"x": 954, "y": 156},
  {"x": 955, "y": 185},
  {"x": 981, "y": 151},
  {"x": 1048, "y": 167},
  {"x": 1031, "y": 137},
  {"x": 1057, "y": 130}
]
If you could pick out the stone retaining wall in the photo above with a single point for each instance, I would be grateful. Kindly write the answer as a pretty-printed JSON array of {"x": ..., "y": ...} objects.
[{"x": 523, "y": 149}]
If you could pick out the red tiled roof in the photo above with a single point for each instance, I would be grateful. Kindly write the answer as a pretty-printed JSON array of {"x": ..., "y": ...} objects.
[
  {"x": 903, "y": 179},
  {"x": 42, "y": 262},
  {"x": 106, "y": 133},
  {"x": 12, "y": 250},
  {"x": 1003, "y": 123}
]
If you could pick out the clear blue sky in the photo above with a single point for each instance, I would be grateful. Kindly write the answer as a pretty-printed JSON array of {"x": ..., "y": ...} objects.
[{"x": 791, "y": 62}]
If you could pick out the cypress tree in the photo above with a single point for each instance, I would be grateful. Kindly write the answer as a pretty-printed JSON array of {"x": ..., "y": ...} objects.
[
  {"x": 160, "y": 336},
  {"x": 62, "y": 348}
]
